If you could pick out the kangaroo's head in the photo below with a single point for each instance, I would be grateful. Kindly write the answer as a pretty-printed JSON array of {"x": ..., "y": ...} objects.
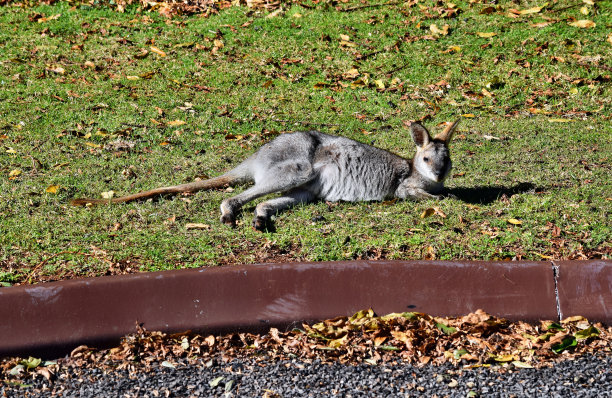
[{"x": 432, "y": 159}]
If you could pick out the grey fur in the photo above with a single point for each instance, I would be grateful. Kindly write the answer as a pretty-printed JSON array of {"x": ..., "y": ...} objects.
[{"x": 305, "y": 166}]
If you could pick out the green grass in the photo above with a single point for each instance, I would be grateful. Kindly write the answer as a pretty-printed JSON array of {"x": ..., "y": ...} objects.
[{"x": 73, "y": 115}]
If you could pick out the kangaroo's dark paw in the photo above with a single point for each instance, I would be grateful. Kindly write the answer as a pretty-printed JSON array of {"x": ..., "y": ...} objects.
[
  {"x": 263, "y": 224},
  {"x": 228, "y": 219}
]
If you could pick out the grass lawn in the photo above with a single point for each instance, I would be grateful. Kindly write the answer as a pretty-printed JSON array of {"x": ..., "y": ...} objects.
[{"x": 93, "y": 100}]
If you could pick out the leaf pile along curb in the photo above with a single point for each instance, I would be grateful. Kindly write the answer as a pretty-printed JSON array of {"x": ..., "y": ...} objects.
[{"x": 474, "y": 340}]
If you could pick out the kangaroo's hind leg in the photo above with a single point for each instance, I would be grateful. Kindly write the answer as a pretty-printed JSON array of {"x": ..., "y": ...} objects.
[
  {"x": 265, "y": 210},
  {"x": 279, "y": 178}
]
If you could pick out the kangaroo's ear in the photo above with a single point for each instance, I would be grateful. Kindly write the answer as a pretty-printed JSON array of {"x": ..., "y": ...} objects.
[
  {"x": 447, "y": 134},
  {"x": 420, "y": 135}
]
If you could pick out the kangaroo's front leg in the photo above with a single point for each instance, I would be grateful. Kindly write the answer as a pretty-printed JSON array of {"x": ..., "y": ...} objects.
[
  {"x": 415, "y": 193},
  {"x": 265, "y": 210}
]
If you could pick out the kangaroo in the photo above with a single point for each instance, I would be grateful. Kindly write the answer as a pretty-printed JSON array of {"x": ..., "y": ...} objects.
[{"x": 309, "y": 165}]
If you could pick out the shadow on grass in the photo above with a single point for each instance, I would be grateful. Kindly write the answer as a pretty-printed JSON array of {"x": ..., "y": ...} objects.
[{"x": 486, "y": 195}]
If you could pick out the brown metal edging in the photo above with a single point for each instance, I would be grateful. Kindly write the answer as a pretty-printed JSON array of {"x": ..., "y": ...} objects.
[
  {"x": 584, "y": 288},
  {"x": 50, "y": 319}
]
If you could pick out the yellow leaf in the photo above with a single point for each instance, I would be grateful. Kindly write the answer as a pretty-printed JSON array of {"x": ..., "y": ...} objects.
[
  {"x": 347, "y": 43},
  {"x": 361, "y": 82},
  {"x": 337, "y": 343},
  {"x": 15, "y": 173},
  {"x": 560, "y": 120},
  {"x": 610, "y": 38},
  {"x": 108, "y": 194},
  {"x": 175, "y": 123},
  {"x": 514, "y": 221},
  {"x": 533, "y": 10},
  {"x": 92, "y": 145},
  {"x": 589, "y": 2},
  {"x": 452, "y": 49},
  {"x": 52, "y": 189},
  {"x": 232, "y": 137},
  {"x": 437, "y": 31},
  {"x": 380, "y": 84},
  {"x": 196, "y": 226},
  {"x": 505, "y": 358},
  {"x": 486, "y": 34},
  {"x": 584, "y": 11},
  {"x": 132, "y": 77},
  {"x": 188, "y": 44},
  {"x": 158, "y": 51},
  {"x": 147, "y": 75},
  {"x": 543, "y": 256},
  {"x": 470, "y": 115},
  {"x": 428, "y": 212},
  {"x": 11, "y": 151},
  {"x": 350, "y": 74},
  {"x": 583, "y": 23},
  {"x": 345, "y": 37}
]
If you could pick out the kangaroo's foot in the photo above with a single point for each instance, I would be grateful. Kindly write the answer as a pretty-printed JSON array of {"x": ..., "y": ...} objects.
[
  {"x": 228, "y": 215},
  {"x": 263, "y": 224}
]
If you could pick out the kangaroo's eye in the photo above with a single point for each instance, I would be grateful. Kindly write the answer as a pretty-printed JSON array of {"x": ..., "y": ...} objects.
[{"x": 426, "y": 159}]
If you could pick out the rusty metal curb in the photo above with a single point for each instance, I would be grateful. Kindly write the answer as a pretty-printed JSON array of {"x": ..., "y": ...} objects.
[{"x": 50, "y": 319}]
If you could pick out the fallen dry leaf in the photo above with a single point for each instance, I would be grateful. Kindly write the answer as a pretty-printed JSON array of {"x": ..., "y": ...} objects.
[
  {"x": 52, "y": 189},
  {"x": 175, "y": 123},
  {"x": 428, "y": 212},
  {"x": 583, "y": 23},
  {"x": 142, "y": 54},
  {"x": 486, "y": 34},
  {"x": 158, "y": 51},
  {"x": 533, "y": 10},
  {"x": 439, "y": 31},
  {"x": 57, "y": 69},
  {"x": 451, "y": 50},
  {"x": 559, "y": 120},
  {"x": 350, "y": 74},
  {"x": 197, "y": 226}
]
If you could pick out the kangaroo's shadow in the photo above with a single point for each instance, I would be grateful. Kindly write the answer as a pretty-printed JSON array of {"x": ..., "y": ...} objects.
[{"x": 486, "y": 195}]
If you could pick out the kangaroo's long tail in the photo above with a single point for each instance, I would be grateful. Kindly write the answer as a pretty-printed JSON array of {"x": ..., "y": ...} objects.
[{"x": 217, "y": 182}]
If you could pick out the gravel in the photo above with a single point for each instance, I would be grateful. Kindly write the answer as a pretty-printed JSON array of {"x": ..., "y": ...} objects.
[{"x": 588, "y": 376}]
